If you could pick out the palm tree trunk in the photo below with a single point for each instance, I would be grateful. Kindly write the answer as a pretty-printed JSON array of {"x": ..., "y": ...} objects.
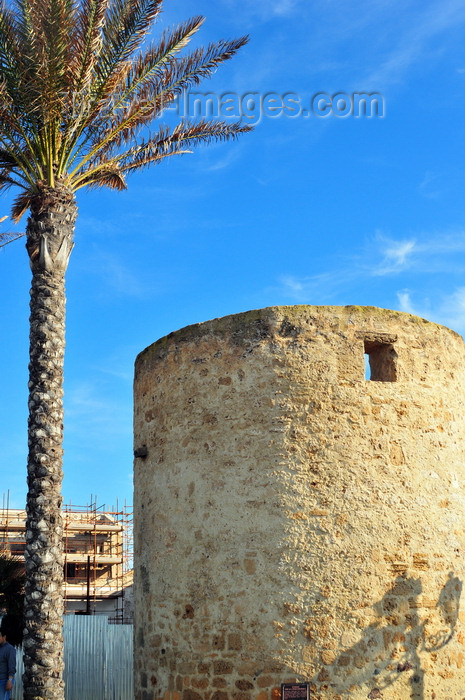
[{"x": 50, "y": 231}]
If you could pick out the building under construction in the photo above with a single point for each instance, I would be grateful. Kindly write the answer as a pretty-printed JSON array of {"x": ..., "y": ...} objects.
[{"x": 97, "y": 557}]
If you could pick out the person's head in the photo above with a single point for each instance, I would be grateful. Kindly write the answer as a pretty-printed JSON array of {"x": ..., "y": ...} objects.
[{"x": 2, "y": 636}]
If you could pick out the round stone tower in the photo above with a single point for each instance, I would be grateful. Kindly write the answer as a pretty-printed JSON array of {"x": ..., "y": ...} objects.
[{"x": 299, "y": 508}]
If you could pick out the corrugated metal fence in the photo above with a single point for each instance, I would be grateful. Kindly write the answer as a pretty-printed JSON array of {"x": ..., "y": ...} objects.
[{"x": 98, "y": 660}]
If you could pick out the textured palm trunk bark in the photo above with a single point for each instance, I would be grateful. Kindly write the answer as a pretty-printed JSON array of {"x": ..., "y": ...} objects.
[{"x": 50, "y": 231}]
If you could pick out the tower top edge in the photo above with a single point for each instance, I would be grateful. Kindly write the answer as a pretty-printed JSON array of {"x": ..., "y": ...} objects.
[{"x": 261, "y": 321}]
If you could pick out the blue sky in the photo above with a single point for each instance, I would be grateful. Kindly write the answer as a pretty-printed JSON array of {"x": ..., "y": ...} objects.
[{"x": 304, "y": 210}]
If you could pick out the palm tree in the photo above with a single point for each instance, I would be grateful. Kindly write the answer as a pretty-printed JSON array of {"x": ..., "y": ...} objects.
[{"x": 78, "y": 84}]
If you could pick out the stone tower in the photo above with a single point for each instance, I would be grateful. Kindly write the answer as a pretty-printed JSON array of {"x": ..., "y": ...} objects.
[{"x": 298, "y": 516}]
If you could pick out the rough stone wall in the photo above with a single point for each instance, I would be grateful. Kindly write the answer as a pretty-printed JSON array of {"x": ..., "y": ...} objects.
[{"x": 294, "y": 520}]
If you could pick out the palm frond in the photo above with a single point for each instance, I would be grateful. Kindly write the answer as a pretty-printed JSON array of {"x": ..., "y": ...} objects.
[
  {"x": 185, "y": 135},
  {"x": 52, "y": 23},
  {"x": 105, "y": 35},
  {"x": 156, "y": 95},
  {"x": 6, "y": 238},
  {"x": 164, "y": 144},
  {"x": 191, "y": 69},
  {"x": 30, "y": 55},
  {"x": 21, "y": 204},
  {"x": 7, "y": 159},
  {"x": 152, "y": 61},
  {"x": 17, "y": 153},
  {"x": 87, "y": 42},
  {"x": 57, "y": 28},
  {"x": 172, "y": 77},
  {"x": 127, "y": 23},
  {"x": 107, "y": 174},
  {"x": 10, "y": 55},
  {"x": 78, "y": 85},
  {"x": 7, "y": 181},
  {"x": 125, "y": 27}
]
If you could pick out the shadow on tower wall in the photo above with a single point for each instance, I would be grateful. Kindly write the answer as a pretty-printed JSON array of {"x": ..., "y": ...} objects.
[{"x": 407, "y": 626}]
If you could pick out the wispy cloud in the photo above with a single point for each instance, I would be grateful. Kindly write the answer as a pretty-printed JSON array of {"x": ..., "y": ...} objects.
[
  {"x": 405, "y": 302},
  {"x": 422, "y": 254},
  {"x": 283, "y": 7},
  {"x": 116, "y": 277},
  {"x": 120, "y": 278},
  {"x": 90, "y": 413},
  {"x": 264, "y": 9},
  {"x": 428, "y": 186},
  {"x": 396, "y": 256},
  {"x": 319, "y": 288},
  {"x": 414, "y": 42},
  {"x": 218, "y": 158},
  {"x": 120, "y": 364},
  {"x": 98, "y": 431},
  {"x": 447, "y": 309},
  {"x": 379, "y": 258},
  {"x": 392, "y": 38},
  {"x": 453, "y": 310}
]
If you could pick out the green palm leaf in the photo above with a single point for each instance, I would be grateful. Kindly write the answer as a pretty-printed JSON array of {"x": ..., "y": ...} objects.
[
  {"x": 76, "y": 89},
  {"x": 82, "y": 93}
]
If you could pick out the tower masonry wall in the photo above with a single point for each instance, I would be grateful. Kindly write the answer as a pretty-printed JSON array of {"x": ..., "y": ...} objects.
[{"x": 294, "y": 519}]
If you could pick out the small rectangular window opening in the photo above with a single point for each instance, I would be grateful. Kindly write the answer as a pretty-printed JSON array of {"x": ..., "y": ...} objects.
[{"x": 380, "y": 361}]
